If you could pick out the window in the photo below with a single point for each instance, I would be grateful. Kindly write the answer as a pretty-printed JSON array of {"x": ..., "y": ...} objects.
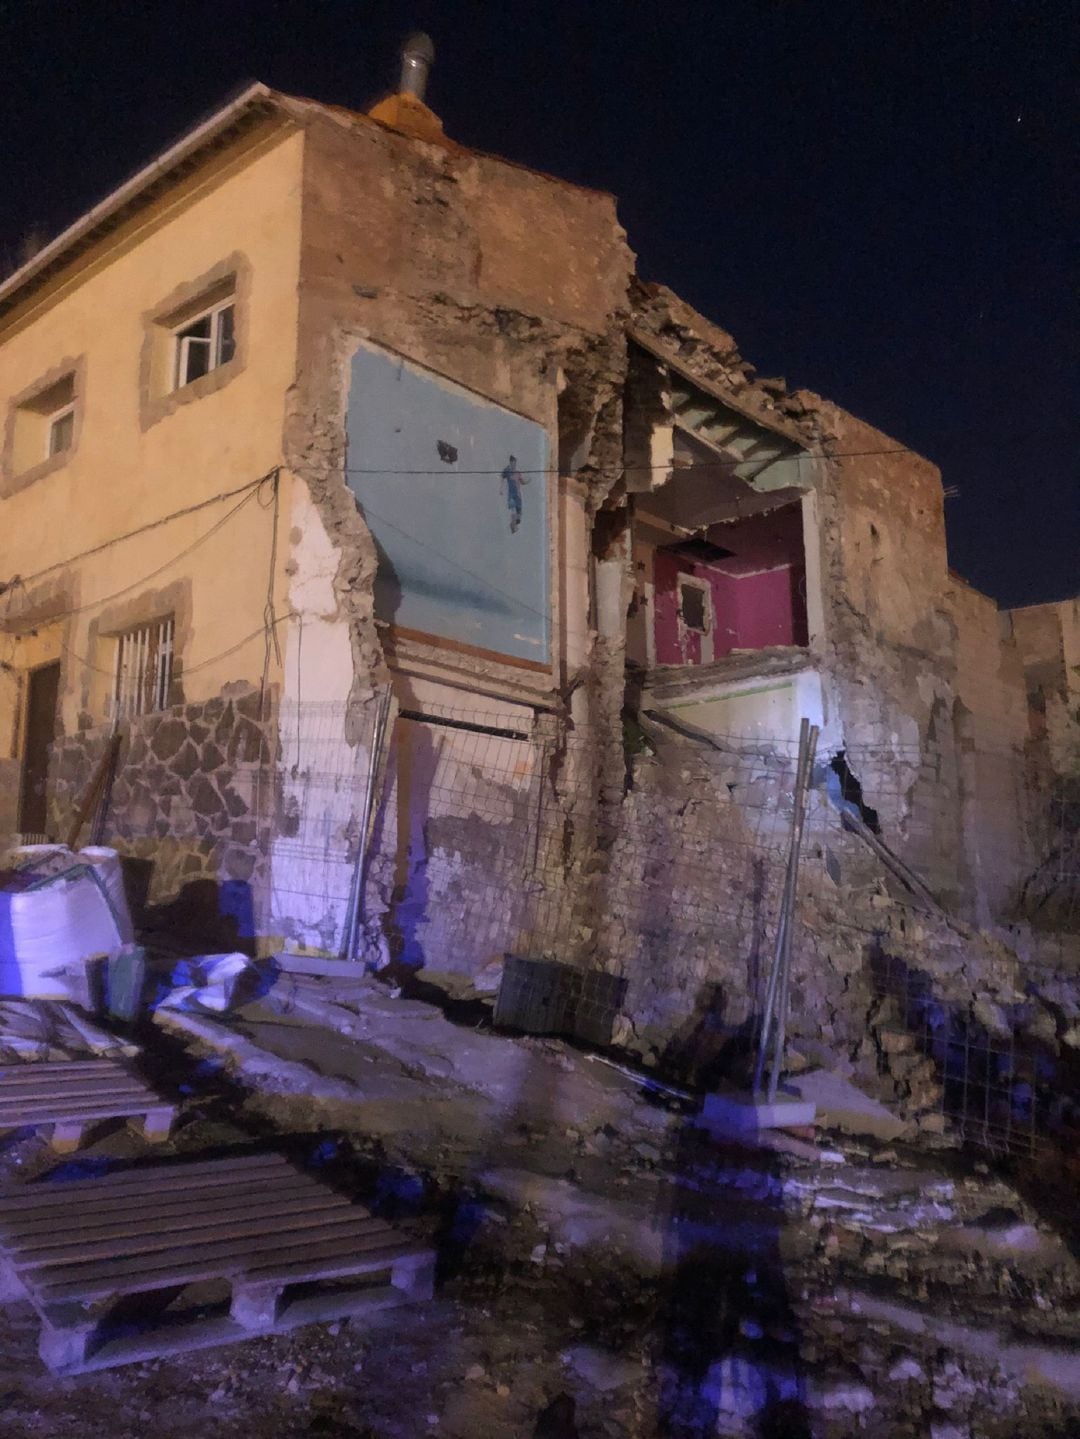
[
  {"x": 194, "y": 340},
  {"x": 144, "y": 667},
  {"x": 205, "y": 343},
  {"x": 44, "y": 425},
  {"x": 694, "y": 606},
  {"x": 61, "y": 431}
]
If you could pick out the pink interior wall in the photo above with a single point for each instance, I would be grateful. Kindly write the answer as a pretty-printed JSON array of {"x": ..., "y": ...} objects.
[
  {"x": 753, "y": 609},
  {"x": 758, "y": 594},
  {"x": 666, "y": 571}
]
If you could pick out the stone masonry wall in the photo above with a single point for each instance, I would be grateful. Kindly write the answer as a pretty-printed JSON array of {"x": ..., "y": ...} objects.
[{"x": 192, "y": 808}]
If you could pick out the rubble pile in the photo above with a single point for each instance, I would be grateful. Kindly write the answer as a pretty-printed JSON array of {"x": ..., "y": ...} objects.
[
  {"x": 868, "y": 1284},
  {"x": 42, "y": 1030}
]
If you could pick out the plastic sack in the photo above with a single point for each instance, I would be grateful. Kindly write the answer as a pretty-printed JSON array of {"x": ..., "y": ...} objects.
[
  {"x": 61, "y": 921},
  {"x": 107, "y": 867}
]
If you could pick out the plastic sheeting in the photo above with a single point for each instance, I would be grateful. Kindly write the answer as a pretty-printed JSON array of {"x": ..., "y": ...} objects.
[
  {"x": 57, "y": 909},
  {"x": 214, "y": 982}
]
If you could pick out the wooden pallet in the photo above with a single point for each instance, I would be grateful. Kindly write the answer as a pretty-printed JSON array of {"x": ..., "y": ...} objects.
[
  {"x": 74, "y": 1094},
  {"x": 290, "y": 1250}
]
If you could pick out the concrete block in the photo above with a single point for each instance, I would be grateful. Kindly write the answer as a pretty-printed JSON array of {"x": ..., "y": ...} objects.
[
  {"x": 320, "y": 965},
  {"x": 742, "y": 1113},
  {"x": 842, "y": 1106}
]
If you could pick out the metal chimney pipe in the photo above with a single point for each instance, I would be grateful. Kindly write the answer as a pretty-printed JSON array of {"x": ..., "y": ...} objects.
[{"x": 417, "y": 58}]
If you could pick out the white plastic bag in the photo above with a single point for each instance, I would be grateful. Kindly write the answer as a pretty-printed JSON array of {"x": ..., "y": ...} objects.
[
  {"x": 44, "y": 930},
  {"x": 107, "y": 866}
]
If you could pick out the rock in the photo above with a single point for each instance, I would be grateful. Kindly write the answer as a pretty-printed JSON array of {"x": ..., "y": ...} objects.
[
  {"x": 557, "y": 1420},
  {"x": 896, "y": 1041},
  {"x": 841, "y": 1105},
  {"x": 946, "y": 1429},
  {"x": 991, "y": 1016},
  {"x": 906, "y": 1369},
  {"x": 603, "y": 1370},
  {"x": 850, "y": 1396},
  {"x": 1040, "y": 1025},
  {"x": 475, "y": 1372},
  {"x": 952, "y": 1387}
]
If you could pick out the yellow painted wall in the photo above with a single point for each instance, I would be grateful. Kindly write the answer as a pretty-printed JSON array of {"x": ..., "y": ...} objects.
[{"x": 124, "y": 473}]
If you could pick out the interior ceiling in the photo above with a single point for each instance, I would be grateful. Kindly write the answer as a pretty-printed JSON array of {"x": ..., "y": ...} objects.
[
  {"x": 707, "y": 488},
  {"x": 725, "y": 466}
]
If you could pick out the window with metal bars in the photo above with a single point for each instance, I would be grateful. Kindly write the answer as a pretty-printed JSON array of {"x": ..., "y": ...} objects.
[{"x": 144, "y": 666}]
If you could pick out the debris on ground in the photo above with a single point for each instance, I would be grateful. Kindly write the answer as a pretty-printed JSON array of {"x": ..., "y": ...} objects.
[
  {"x": 59, "y": 909},
  {"x": 604, "y": 1263}
]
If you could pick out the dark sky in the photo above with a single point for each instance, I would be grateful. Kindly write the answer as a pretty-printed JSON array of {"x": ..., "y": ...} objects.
[{"x": 879, "y": 200}]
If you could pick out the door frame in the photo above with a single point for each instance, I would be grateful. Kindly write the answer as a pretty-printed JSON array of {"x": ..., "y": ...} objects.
[{"x": 25, "y": 737}]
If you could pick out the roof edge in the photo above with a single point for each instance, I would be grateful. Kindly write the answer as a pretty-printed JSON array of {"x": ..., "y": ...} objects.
[{"x": 84, "y": 228}]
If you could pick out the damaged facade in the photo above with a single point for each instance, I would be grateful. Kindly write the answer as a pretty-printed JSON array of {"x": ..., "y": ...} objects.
[{"x": 322, "y": 403}]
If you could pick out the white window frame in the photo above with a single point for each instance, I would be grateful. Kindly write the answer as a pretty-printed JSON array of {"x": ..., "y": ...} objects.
[
  {"x": 51, "y": 421},
  {"x": 183, "y": 343},
  {"x": 144, "y": 668}
]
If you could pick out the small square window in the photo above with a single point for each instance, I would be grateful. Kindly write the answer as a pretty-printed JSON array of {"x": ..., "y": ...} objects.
[
  {"x": 205, "y": 343},
  {"x": 43, "y": 426},
  {"x": 693, "y": 608}
]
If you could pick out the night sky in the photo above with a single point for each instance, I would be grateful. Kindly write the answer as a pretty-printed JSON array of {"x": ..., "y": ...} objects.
[{"x": 880, "y": 201}]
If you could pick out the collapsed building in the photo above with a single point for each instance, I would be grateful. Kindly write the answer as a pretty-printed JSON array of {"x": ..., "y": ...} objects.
[{"x": 321, "y": 412}]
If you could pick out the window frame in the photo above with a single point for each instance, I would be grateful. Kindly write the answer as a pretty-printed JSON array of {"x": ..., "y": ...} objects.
[
  {"x": 183, "y": 341},
  {"x": 27, "y": 455},
  {"x": 57, "y": 417},
  {"x": 143, "y": 681},
  {"x": 160, "y": 394}
]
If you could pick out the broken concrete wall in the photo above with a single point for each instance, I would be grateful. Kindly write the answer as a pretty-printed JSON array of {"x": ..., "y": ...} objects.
[
  {"x": 1048, "y": 640},
  {"x": 991, "y": 730},
  {"x": 891, "y": 640},
  {"x": 879, "y": 624},
  {"x": 511, "y": 286}
]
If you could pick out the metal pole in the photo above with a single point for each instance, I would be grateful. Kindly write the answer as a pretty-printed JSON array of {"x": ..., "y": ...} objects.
[
  {"x": 789, "y": 928},
  {"x": 768, "y": 1008}
]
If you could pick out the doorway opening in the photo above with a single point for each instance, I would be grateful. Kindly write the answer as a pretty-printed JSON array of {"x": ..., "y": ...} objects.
[{"x": 43, "y": 692}]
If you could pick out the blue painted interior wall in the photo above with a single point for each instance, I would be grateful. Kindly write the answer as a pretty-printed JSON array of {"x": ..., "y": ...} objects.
[{"x": 454, "y": 489}]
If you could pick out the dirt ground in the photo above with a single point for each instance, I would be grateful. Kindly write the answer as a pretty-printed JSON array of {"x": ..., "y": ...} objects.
[{"x": 605, "y": 1268}]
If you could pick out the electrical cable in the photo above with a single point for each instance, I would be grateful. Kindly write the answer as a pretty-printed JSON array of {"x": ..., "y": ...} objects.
[
  {"x": 252, "y": 485},
  {"x": 718, "y": 464},
  {"x": 187, "y": 669},
  {"x": 268, "y": 607}
]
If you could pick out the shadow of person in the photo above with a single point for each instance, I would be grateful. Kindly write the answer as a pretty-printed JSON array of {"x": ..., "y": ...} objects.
[
  {"x": 728, "y": 1343},
  {"x": 713, "y": 1044}
]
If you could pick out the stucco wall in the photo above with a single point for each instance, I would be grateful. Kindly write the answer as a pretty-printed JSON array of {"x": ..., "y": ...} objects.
[{"x": 140, "y": 457}]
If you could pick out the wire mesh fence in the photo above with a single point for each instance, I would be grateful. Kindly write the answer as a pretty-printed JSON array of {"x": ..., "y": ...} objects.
[
  {"x": 492, "y": 836},
  {"x": 994, "y": 1086}
]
